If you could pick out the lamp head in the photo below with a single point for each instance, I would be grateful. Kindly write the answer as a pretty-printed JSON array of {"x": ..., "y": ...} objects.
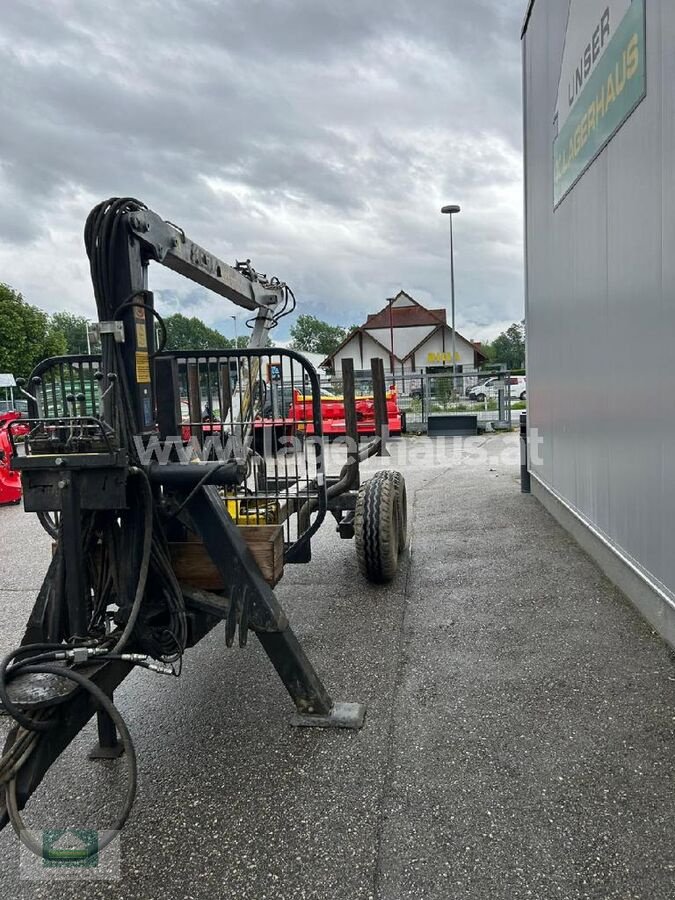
[{"x": 449, "y": 210}]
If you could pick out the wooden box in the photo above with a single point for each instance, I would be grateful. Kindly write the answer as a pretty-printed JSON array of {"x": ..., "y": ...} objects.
[{"x": 193, "y": 565}]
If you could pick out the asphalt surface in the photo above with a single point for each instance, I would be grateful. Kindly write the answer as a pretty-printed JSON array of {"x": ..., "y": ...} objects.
[{"x": 518, "y": 743}]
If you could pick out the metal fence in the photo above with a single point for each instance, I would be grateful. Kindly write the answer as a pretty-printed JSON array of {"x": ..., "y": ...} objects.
[
  {"x": 10, "y": 405},
  {"x": 492, "y": 397},
  {"x": 260, "y": 406}
]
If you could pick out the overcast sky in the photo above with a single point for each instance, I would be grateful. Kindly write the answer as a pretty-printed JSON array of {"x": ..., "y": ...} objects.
[{"x": 317, "y": 137}]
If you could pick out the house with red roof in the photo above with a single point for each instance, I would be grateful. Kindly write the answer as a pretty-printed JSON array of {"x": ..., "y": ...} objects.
[{"x": 409, "y": 338}]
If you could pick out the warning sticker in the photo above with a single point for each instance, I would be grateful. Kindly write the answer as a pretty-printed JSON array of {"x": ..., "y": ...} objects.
[
  {"x": 141, "y": 336},
  {"x": 142, "y": 368}
]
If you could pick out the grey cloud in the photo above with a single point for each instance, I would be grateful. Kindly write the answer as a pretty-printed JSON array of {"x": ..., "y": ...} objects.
[{"x": 317, "y": 137}]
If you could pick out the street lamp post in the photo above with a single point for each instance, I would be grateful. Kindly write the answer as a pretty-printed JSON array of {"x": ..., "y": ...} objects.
[
  {"x": 449, "y": 211},
  {"x": 236, "y": 339}
]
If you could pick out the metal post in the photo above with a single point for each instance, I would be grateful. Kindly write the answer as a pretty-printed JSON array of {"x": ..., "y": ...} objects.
[
  {"x": 450, "y": 212},
  {"x": 452, "y": 301},
  {"x": 225, "y": 391},
  {"x": 108, "y": 746},
  {"x": 380, "y": 398},
  {"x": 71, "y": 533},
  {"x": 391, "y": 333},
  {"x": 351, "y": 429},
  {"x": 194, "y": 399},
  {"x": 167, "y": 396},
  {"x": 501, "y": 402},
  {"x": 524, "y": 473}
]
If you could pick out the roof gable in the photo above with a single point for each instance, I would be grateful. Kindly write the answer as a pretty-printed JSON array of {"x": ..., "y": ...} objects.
[
  {"x": 448, "y": 330},
  {"x": 404, "y": 311},
  {"x": 353, "y": 334}
]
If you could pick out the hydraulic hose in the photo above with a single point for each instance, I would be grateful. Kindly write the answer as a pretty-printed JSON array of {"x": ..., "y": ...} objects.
[{"x": 104, "y": 702}]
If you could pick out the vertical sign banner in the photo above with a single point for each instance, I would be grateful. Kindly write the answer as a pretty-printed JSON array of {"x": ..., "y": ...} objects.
[{"x": 602, "y": 80}]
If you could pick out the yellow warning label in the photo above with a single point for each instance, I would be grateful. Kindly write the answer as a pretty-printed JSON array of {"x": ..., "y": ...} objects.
[
  {"x": 142, "y": 368},
  {"x": 141, "y": 336}
]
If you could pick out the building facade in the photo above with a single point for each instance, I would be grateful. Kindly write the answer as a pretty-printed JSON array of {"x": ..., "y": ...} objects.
[
  {"x": 409, "y": 338},
  {"x": 599, "y": 93}
]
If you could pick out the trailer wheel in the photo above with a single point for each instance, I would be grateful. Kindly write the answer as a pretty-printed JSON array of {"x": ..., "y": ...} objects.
[
  {"x": 401, "y": 504},
  {"x": 402, "y": 509},
  {"x": 50, "y": 521},
  {"x": 376, "y": 529}
]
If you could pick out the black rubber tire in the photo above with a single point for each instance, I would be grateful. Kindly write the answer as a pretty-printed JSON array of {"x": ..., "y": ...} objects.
[
  {"x": 376, "y": 522},
  {"x": 480, "y": 397},
  {"x": 401, "y": 509},
  {"x": 50, "y": 521},
  {"x": 523, "y": 396},
  {"x": 401, "y": 504}
]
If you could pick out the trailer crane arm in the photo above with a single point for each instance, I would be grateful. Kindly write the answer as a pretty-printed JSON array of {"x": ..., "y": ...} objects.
[{"x": 111, "y": 599}]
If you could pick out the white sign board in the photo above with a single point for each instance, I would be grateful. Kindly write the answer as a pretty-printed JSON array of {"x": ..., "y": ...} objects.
[{"x": 7, "y": 381}]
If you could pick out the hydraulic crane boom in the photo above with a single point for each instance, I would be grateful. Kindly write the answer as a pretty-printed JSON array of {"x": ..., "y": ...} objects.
[{"x": 111, "y": 598}]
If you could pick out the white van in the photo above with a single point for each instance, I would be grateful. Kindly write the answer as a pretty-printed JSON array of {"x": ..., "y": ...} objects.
[{"x": 489, "y": 389}]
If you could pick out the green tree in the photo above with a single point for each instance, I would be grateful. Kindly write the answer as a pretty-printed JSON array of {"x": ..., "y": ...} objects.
[
  {"x": 314, "y": 336},
  {"x": 74, "y": 329},
  {"x": 509, "y": 347},
  {"x": 26, "y": 334},
  {"x": 190, "y": 333}
]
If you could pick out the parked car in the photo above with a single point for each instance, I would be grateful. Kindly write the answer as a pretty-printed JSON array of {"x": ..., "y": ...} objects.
[
  {"x": 489, "y": 389},
  {"x": 418, "y": 392}
]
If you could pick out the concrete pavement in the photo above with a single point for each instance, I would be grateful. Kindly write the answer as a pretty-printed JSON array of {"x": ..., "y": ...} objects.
[{"x": 519, "y": 738}]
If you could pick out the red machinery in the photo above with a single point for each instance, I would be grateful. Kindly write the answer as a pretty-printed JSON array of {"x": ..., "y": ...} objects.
[
  {"x": 10, "y": 482},
  {"x": 300, "y": 421},
  {"x": 333, "y": 412}
]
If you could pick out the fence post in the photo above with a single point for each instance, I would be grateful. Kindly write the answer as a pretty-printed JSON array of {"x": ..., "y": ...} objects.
[
  {"x": 380, "y": 398},
  {"x": 225, "y": 390},
  {"x": 194, "y": 399},
  {"x": 501, "y": 401},
  {"x": 524, "y": 474},
  {"x": 351, "y": 430}
]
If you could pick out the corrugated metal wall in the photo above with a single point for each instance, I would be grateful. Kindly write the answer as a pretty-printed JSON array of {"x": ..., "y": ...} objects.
[{"x": 601, "y": 303}]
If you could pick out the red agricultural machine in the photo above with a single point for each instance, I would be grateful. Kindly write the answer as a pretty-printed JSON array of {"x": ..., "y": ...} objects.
[
  {"x": 334, "y": 418},
  {"x": 10, "y": 481}
]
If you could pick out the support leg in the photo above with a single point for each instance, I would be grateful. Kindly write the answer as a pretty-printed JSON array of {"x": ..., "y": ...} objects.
[
  {"x": 313, "y": 704},
  {"x": 237, "y": 567},
  {"x": 108, "y": 747}
]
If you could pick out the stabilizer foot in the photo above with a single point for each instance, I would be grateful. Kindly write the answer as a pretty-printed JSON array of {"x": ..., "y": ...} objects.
[
  {"x": 99, "y": 752},
  {"x": 342, "y": 715},
  {"x": 108, "y": 746}
]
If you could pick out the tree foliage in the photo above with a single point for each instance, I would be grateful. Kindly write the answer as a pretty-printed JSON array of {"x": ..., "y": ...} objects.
[
  {"x": 27, "y": 335},
  {"x": 508, "y": 347},
  {"x": 314, "y": 336},
  {"x": 74, "y": 330},
  {"x": 190, "y": 333}
]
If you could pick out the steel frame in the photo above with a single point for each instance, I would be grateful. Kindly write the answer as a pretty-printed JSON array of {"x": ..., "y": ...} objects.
[{"x": 248, "y": 603}]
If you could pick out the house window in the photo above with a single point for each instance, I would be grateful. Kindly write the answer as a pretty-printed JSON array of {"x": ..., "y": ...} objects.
[{"x": 444, "y": 370}]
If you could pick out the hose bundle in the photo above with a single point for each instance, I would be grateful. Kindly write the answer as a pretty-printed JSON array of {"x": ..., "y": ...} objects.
[{"x": 159, "y": 625}]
